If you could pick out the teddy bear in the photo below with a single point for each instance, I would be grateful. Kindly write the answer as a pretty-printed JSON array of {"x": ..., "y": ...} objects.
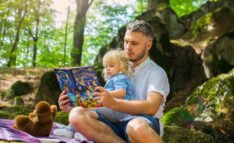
[{"x": 39, "y": 122}]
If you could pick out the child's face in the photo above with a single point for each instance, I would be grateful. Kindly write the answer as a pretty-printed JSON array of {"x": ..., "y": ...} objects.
[{"x": 111, "y": 68}]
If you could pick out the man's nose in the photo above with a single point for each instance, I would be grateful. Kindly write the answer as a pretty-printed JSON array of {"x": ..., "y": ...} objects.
[{"x": 128, "y": 46}]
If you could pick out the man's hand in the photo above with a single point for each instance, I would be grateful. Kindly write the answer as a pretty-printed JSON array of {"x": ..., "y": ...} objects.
[
  {"x": 103, "y": 97},
  {"x": 64, "y": 102}
]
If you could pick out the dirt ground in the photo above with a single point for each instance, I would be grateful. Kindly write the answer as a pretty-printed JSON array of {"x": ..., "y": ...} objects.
[{"x": 8, "y": 76}]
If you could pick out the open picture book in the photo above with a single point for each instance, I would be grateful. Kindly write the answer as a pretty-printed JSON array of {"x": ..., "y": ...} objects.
[{"x": 79, "y": 83}]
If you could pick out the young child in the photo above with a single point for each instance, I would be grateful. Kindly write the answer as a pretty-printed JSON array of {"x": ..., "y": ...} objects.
[
  {"x": 118, "y": 84},
  {"x": 116, "y": 72}
]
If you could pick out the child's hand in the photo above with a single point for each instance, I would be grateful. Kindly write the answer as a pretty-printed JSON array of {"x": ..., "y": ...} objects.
[{"x": 103, "y": 97}]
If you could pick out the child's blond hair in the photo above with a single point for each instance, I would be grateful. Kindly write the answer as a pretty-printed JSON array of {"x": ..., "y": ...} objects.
[{"x": 117, "y": 54}]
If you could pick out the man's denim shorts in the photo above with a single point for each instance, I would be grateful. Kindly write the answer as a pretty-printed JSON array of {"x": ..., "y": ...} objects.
[{"x": 120, "y": 127}]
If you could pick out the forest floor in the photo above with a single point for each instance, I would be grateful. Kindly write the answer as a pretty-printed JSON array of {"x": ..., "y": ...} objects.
[{"x": 8, "y": 76}]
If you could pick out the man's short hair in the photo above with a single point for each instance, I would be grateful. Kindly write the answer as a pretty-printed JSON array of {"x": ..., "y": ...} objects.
[{"x": 140, "y": 26}]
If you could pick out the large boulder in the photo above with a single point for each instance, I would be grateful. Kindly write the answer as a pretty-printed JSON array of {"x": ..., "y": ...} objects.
[
  {"x": 18, "y": 94},
  {"x": 210, "y": 38},
  {"x": 213, "y": 99},
  {"x": 218, "y": 58},
  {"x": 211, "y": 25},
  {"x": 185, "y": 72},
  {"x": 213, "y": 103},
  {"x": 48, "y": 89},
  {"x": 167, "y": 17},
  {"x": 208, "y": 7},
  {"x": 18, "y": 88},
  {"x": 210, "y": 32}
]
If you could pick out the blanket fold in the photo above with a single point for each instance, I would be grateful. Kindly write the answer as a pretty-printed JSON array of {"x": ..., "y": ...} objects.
[{"x": 7, "y": 133}]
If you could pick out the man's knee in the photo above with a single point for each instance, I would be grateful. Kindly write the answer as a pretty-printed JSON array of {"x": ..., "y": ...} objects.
[
  {"x": 137, "y": 128},
  {"x": 76, "y": 115}
]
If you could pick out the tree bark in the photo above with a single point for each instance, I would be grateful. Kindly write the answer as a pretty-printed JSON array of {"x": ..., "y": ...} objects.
[
  {"x": 12, "y": 57},
  {"x": 79, "y": 26},
  {"x": 65, "y": 36},
  {"x": 35, "y": 37}
]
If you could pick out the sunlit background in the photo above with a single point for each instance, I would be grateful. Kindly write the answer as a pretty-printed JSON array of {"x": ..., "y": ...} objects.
[{"x": 50, "y": 40}]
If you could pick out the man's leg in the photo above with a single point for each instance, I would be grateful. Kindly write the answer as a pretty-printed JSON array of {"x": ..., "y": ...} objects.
[
  {"x": 139, "y": 131},
  {"x": 86, "y": 122}
]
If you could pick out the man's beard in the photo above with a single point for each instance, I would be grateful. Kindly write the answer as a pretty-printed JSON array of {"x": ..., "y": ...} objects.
[{"x": 139, "y": 57}]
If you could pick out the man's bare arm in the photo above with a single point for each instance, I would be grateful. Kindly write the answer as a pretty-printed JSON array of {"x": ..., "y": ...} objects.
[
  {"x": 118, "y": 93},
  {"x": 149, "y": 106}
]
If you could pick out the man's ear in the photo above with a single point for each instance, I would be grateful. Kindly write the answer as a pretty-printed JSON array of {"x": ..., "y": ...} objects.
[{"x": 149, "y": 44}]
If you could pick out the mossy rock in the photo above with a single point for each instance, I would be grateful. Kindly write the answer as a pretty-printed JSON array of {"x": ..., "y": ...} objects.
[
  {"x": 62, "y": 117},
  {"x": 213, "y": 103},
  {"x": 221, "y": 130},
  {"x": 48, "y": 89},
  {"x": 17, "y": 89},
  {"x": 199, "y": 30},
  {"x": 175, "y": 134},
  {"x": 213, "y": 99},
  {"x": 218, "y": 57},
  {"x": 177, "y": 116}
]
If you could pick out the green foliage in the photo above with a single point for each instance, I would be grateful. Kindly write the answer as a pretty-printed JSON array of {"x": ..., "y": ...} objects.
[
  {"x": 47, "y": 36},
  {"x": 184, "y": 7},
  {"x": 102, "y": 24},
  {"x": 62, "y": 117},
  {"x": 38, "y": 29},
  {"x": 104, "y": 18},
  {"x": 141, "y": 7},
  {"x": 12, "y": 112},
  {"x": 18, "y": 101}
]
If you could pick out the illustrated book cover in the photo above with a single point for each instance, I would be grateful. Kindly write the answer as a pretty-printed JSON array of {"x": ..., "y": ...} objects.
[{"x": 79, "y": 83}]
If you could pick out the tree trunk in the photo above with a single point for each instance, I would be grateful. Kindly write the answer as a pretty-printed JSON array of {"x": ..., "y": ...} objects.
[
  {"x": 79, "y": 26},
  {"x": 12, "y": 57},
  {"x": 152, "y": 3},
  {"x": 65, "y": 38},
  {"x": 35, "y": 37}
]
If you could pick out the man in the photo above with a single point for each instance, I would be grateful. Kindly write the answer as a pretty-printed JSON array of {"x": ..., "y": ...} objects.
[{"x": 143, "y": 124}]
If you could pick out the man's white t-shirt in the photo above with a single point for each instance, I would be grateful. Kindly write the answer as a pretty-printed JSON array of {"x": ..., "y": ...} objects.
[{"x": 150, "y": 77}]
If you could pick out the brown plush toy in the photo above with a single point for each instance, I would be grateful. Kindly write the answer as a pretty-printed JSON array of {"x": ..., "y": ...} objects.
[{"x": 39, "y": 122}]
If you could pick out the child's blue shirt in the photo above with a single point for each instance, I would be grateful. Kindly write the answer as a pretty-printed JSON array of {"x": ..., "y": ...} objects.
[{"x": 120, "y": 82}]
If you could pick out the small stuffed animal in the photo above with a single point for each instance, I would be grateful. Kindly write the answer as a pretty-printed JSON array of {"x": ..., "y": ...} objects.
[{"x": 39, "y": 122}]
